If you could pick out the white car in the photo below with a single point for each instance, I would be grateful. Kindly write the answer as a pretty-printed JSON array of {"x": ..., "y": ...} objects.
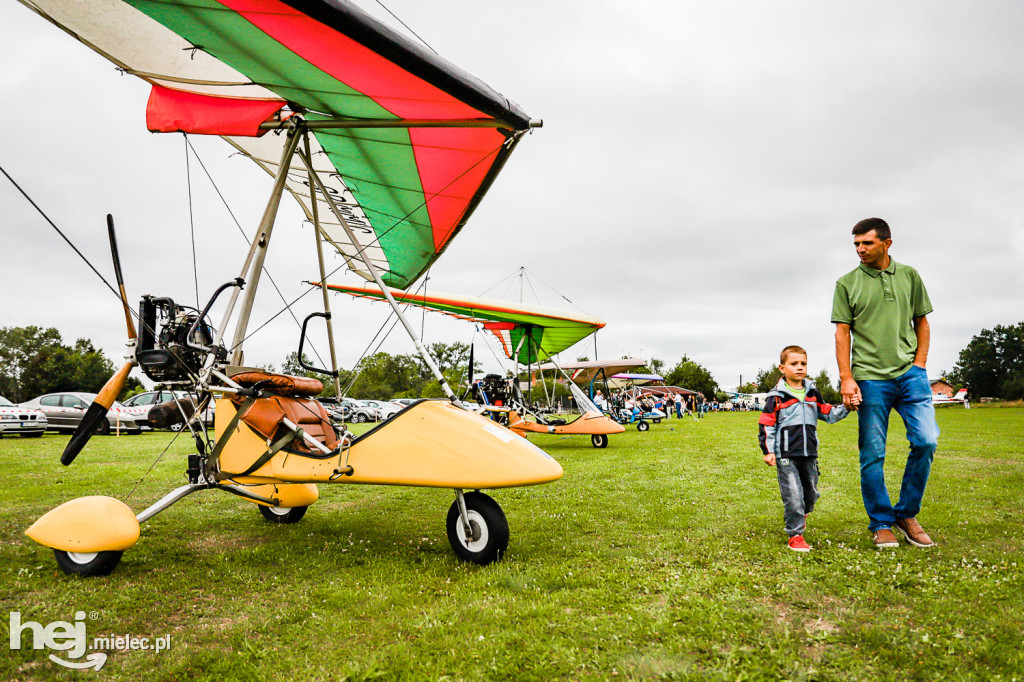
[
  {"x": 385, "y": 410},
  {"x": 24, "y": 421},
  {"x": 140, "y": 405}
]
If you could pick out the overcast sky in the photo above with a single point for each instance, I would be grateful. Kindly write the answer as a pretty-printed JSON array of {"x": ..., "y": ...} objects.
[{"x": 694, "y": 185}]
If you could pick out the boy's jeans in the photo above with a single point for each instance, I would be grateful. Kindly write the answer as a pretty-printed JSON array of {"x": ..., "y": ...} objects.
[
  {"x": 798, "y": 483},
  {"x": 911, "y": 396}
]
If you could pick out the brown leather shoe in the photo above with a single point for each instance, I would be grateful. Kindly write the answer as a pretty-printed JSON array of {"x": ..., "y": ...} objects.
[
  {"x": 884, "y": 537},
  {"x": 915, "y": 534}
]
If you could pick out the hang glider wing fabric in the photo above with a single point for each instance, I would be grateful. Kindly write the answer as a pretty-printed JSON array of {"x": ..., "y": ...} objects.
[
  {"x": 528, "y": 334},
  {"x": 225, "y": 66}
]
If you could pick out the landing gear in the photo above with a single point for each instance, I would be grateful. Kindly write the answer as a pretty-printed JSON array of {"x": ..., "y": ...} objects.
[
  {"x": 642, "y": 426},
  {"x": 282, "y": 514},
  {"x": 599, "y": 440},
  {"x": 486, "y": 538},
  {"x": 87, "y": 564}
]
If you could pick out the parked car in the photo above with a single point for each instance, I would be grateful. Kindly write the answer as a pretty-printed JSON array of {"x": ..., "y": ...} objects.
[
  {"x": 385, "y": 409},
  {"x": 140, "y": 405},
  {"x": 404, "y": 402},
  {"x": 356, "y": 412},
  {"x": 64, "y": 412},
  {"x": 24, "y": 421}
]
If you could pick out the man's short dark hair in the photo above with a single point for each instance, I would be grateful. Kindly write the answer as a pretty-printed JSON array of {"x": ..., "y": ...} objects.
[{"x": 880, "y": 227}]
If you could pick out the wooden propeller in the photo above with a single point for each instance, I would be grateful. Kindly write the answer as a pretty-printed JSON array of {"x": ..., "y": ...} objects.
[{"x": 97, "y": 412}]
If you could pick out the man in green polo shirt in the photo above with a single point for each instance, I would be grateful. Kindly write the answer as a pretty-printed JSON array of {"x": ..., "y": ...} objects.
[{"x": 883, "y": 306}]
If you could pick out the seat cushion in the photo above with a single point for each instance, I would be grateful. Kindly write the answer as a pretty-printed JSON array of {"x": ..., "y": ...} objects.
[{"x": 282, "y": 384}]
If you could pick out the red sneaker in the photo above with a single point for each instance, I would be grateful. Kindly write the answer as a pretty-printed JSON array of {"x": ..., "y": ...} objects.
[{"x": 798, "y": 544}]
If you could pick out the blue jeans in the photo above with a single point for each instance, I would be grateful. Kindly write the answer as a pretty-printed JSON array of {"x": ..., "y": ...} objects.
[
  {"x": 798, "y": 483},
  {"x": 911, "y": 396}
]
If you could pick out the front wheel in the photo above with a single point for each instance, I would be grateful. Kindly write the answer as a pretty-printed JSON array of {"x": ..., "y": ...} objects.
[
  {"x": 642, "y": 426},
  {"x": 282, "y": 514},
  {"x": 488, "y": 538},
  {"x": 599, "y": 440},
  {"x": 87, "y": 564}
]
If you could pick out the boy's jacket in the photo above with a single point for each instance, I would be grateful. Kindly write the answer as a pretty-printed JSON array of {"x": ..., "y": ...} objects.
[{"x": 788, "y": 427}]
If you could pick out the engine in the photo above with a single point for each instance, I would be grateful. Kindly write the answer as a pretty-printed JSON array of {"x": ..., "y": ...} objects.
[{"x": 174, "y": 340}]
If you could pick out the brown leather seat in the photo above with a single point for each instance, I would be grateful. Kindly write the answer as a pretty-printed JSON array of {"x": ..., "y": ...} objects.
[
  {"x": 292, "y": 402},
  {"x": 281, "y": 384}
]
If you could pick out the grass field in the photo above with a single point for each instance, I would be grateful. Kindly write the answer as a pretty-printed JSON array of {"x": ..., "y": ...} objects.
[{"x": 659, "y": 557}]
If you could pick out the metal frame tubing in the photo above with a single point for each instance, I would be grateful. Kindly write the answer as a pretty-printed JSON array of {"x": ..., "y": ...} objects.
[
  {"x": 258, "y": 250},
  {"x": 380, "y": 283},
  {"x": 323, "y": 275}
]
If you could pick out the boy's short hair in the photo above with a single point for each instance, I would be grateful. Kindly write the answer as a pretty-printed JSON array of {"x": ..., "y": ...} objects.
[
  {"x": 880, "y": 227},
  {"x": 790, "y": 349}
]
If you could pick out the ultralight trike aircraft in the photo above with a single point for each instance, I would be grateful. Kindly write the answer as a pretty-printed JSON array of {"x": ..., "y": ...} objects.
[
  {"x": 527, "y": 334},
  {"x": 395, "y": 147}
]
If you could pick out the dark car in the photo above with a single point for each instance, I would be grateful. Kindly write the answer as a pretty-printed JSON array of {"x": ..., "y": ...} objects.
[
  {"x": 64, "y": 412},
  {"x": 140, "y": 405}
]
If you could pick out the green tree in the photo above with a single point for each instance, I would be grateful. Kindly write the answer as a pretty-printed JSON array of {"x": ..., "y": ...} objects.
[
  {"x": 34, "y": 361},
  {"x": 693, "y": 376},
  {"x": 828, "y": 390},
  {"x": 992, "y": 364},
  {"x": 383, "y": 376},
  {"x": 749, "y": 387},
  {"x": 767, "y": 379},
  {"x": 656, "y": 366}
]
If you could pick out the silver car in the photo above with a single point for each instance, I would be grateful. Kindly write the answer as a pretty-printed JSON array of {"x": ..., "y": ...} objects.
[
  {"x": 24, "y": 421},
  {"x": 64, "y": 412}
]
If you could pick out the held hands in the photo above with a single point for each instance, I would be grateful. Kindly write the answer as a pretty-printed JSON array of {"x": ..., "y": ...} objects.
[
  {"x": 769, "y": 459},
  {"x": 851, "y": 393}
]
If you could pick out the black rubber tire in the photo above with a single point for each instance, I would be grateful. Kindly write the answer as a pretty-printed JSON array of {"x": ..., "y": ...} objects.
[
  {"x": 657, "y": 421},
  {"x": 282, "y": 514},
  {"x": 77, "y": 564},
  {"x": 599, "y": 440},
  {"x": 358, "y": 418},
  {"x": 104, "y": 428},
  {"x": 490, "y": 530},
  {"x": 642, "y": 426},
  {"x": 32, "y": 435}
]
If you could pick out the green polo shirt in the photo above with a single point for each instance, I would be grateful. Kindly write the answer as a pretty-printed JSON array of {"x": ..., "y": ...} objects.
[{"x": 880, "y": 307}]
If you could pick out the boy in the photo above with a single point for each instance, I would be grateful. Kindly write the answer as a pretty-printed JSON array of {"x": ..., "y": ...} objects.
[{"x": 787, "y": 432}]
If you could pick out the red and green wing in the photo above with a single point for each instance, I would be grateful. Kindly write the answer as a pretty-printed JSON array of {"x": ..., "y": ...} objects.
[
  {"x": 225, "y": 66},
  {"x": 527, "y": 334}
]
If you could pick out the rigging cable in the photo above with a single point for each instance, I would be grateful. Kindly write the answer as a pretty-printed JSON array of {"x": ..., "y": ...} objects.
[
  {"x": 61, "y": 233},
  {"x": 191, "y": 219},
  {"x": 406, "y": 26},
  {"x": 246, "y": 238},
  {"x": 360, "y": 250}
]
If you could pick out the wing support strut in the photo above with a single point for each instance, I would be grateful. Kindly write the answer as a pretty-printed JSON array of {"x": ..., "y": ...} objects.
[
  {"x": 377, "y": 278},
  {"x": 253, "y": 266},
  {"x": 323, "y": 275}
]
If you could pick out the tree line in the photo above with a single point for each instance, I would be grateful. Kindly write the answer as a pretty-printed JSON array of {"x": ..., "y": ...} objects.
[{"x": 34, "y": 361}]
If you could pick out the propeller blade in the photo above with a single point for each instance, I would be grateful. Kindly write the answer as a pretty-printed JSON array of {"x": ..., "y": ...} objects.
[
  {"x": 96, "y": 413},
  {"x": 132, "y": 335},
  {"x": 469, "y": 373}
]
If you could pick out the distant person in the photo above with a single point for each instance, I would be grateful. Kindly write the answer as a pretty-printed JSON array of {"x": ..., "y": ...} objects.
[
  {"x": 885, "y": 306},
  {"x": 787, "y": 433},
  {"x": 679, "y": 405}
]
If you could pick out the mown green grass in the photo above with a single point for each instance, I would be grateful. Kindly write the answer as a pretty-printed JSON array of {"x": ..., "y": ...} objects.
[{"x": 659, "y": 557}]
